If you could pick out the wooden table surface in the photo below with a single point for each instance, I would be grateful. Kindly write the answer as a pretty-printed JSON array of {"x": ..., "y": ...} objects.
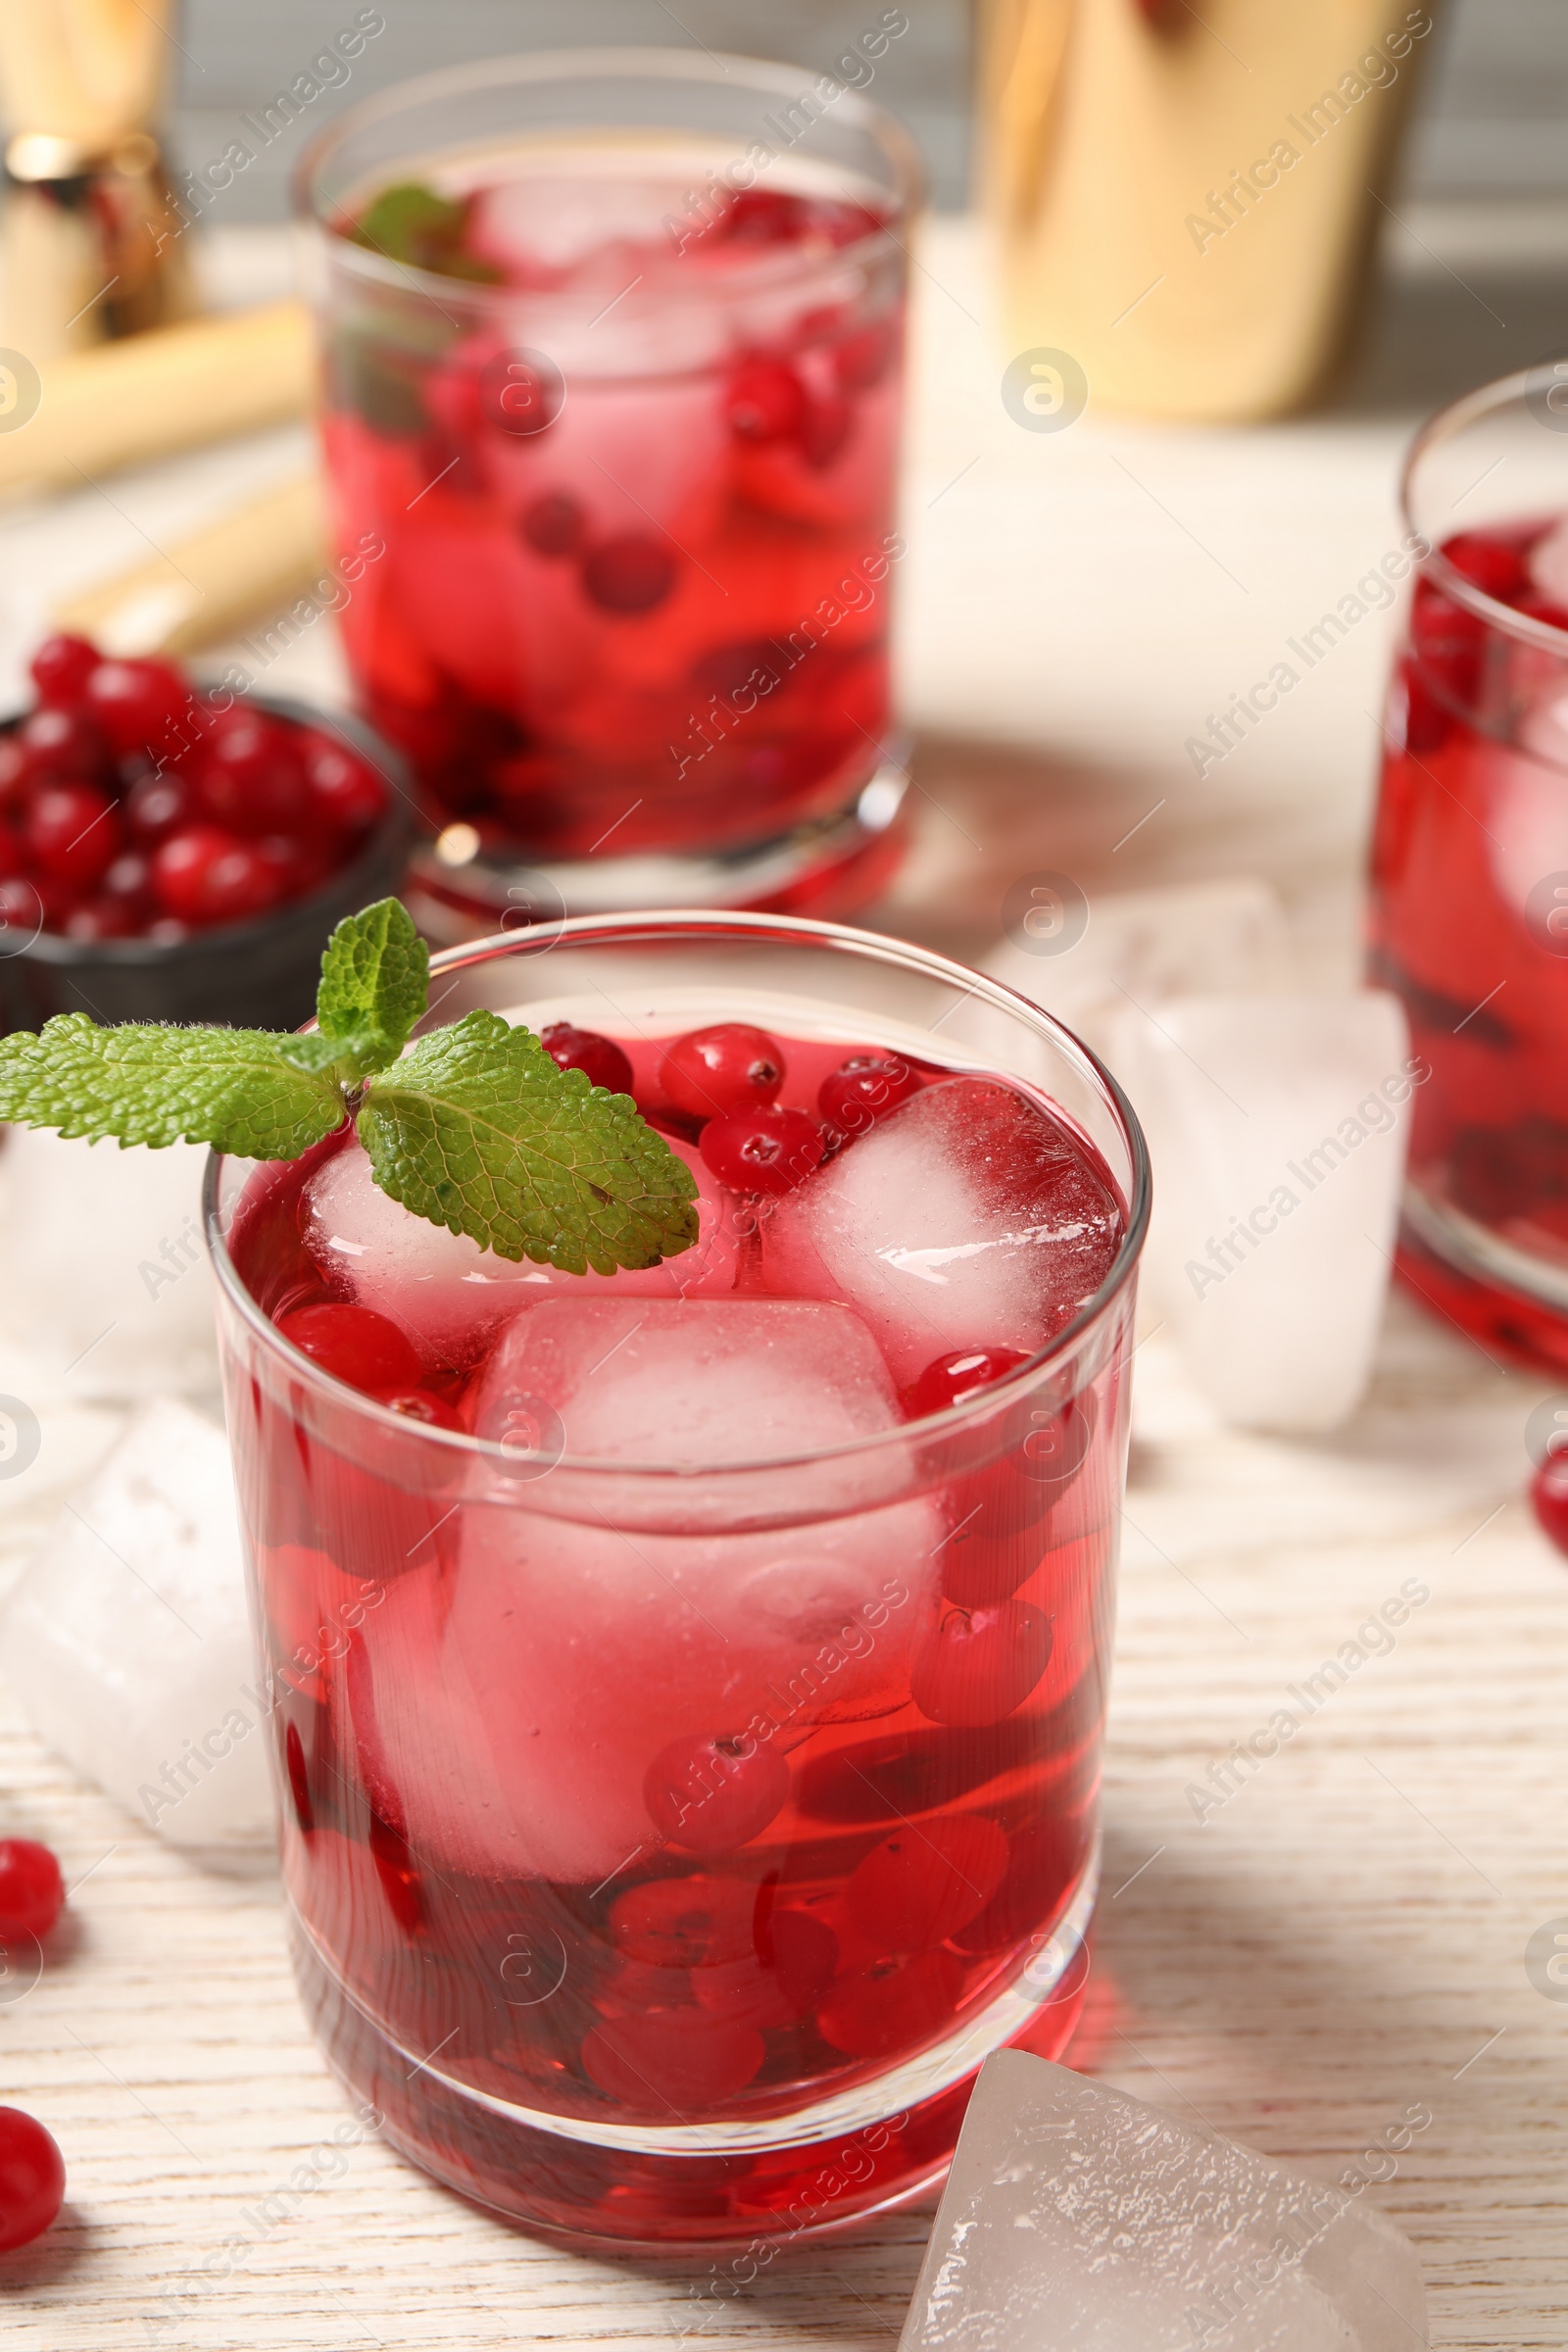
[{"x": 1339, "y": 1940}]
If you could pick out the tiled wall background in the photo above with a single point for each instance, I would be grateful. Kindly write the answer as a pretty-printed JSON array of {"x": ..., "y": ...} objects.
[{"x": 1493, "y": 120}]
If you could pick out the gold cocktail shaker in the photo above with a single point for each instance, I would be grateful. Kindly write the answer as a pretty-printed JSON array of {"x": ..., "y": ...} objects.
[
  {"x": 1186, "y": 192},
  {"x": 91, "y": 233}
]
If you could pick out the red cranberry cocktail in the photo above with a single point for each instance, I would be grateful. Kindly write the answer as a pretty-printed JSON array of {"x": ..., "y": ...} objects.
[
  {"x": 613, "y": 364},
  {"x": 690, "y": 1683},
  {"x": 1469, "y": 903}
]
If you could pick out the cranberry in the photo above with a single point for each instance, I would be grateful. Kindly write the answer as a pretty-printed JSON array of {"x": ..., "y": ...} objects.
[
  {"x": 728, "y": 1067},
  {"x": 355, "y": 1344},
  {"x": 1495, "y": 567},
  {"x": 709, "y": 1794},
  {"x": 825, "y": 429},
  {"x": 981, "y": 1663},
  {"x": 863, "y": 1088},
  {"x": 673, "y": 2060},
  {"x": 203, "y": 876},
  {"x": 954, "y": 1379},
  {"x": 796, "y": 1959},
  {"x": 99, "y": 919},
  {"x": 32, "y": 2178},
  {"x": 157, "y": 805},
  {"x": 631, "y": 574},
  {"x": 1548, "y": 1494},
  {"x": 285, "y": 865},
  {"x": 763, "y": 216},
  {"x": 31, "y": 1890},
  {"x": 345, "y": 792},
  {"x": 921, "y": 1884},
  {"x": 251, "y": 778},
  {"x": 893, "y": 2004},
  {"x": 72, "y": 832},
  {"x": 22, "y": 905},
  {"x": 765, "y": 401},
  {"x": 553, "y": 524},
  {"x": 521, "y": 393},
  {"x": 62, "y": 743},
  {"x": 61, "y": 669},
  {"x": 764, "y": 1150},
  {"x": 420, "y": 1405},
  {"x": 138, "y": 703},
  {"x": 299, "y": 1780},
  {"x": 11, "y": 858},
  {"x": 861, "y": 359},
  {"x": 585, "y": 1049},
  {"x": 692, "y": 1922},
  {"x": 16, "y": 772}
]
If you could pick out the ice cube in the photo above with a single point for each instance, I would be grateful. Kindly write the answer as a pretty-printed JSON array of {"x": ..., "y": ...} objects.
[
  {"x": 1079, "y": 2218},
  {"x": 1141, "y": 946},
  {"x": 967, "y": 1218},
  {"x": 103, "y": 1273},
  {"x": 510, "y": 1717},
  {"x": 1277, "y": 1128},
  {"x": 448, "y": 1294},
  {"x": 129, "y": 1641}
]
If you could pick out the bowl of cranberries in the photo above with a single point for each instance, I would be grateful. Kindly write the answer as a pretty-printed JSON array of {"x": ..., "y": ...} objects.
[{"x": 170, "y": 854}]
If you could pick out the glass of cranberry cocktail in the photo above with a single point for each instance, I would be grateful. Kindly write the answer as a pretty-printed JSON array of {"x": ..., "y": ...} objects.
[
  {"x": 690, "y": 1683},
  {"x": 612, "y": 351},
  {"x": 1469, "y": 882}
]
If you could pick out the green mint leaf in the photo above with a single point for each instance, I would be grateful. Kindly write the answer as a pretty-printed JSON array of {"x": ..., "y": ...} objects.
[
  {"x": 231, "y": 1088},
  {"x": 376, "y": 984},
  {"x": 404, "y": 221},
  {"x": 478, "y": 1130}
]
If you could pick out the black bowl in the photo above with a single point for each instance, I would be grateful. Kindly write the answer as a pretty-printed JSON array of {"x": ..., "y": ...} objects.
[{"x": 255, "y": 975}]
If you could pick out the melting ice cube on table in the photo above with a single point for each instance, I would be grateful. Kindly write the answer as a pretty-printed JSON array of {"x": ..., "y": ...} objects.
[
  {"x": 1277, "y": 1128},
  {"x": 1076, "y": 2218},
  {"x": 128, "y": 1638}
]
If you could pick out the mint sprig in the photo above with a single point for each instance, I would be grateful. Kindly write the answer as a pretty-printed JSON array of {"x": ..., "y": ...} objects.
[{"x": 475, "y": 1127}]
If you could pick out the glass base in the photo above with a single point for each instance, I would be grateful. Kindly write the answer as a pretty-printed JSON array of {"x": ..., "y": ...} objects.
[
  {"x": 1490, "y": 1290},
  {"x": 830, "y": 867},
  {"x": 623, "y": 2185}
]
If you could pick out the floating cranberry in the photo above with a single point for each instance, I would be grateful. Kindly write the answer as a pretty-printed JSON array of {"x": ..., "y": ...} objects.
[
  {"x": 521, "y": 392},
  {"x": 981, "y": 1663},
  {"x": 72, "y": 832},
  {"x": 1548, "y": 1495},
  {"x": 31, "y": 1890},
  {"x": 203, "y": 875},
  {"x": 600, "y": 1058},
  {"x": 728, "y": 1067},
  {"x": 422, "y": 1405},
  {"x": 553, "y": 524},
  {"x": 924, "y": 1883},
  {"x": 825, "y": 429},
  {"x": 345, "y": 792},
  {"x": 864, "y": 1088},
  {"x": 32, "y": 2178},
  {"x": 954, "y": 1379},
  {"x": 712, "y": 1793},
  {"x": 354, "y": 1343},
  {"x": 763, "y": 216},
  {"x": 862, "y": 359},
  {"x": 62, "y": 743},
  {"x": 766, "y": 401},
  {"x": 672, "y": 2061},
  {"x": 1057, "y": 1446},
  {"x": 896, "y": 2003},
  {"x": 1496, "y": 567},
  {"x": 251, "y": 776},
  {"x": 60, "y": 670},
  {"x": 782, "y": 1980},
  {"x": 693, "y": 1921},
  {"x": 764, "y": 1150},
  {"x": 138, "y": 704},
  {"x": 157, "y": 805},
  {"x": 631, "y": 574}
]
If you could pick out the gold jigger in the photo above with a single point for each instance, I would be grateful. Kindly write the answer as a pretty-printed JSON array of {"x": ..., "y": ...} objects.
[
  {"x": 91, "y": 241},
  {"x": 1186, "y": 196}
]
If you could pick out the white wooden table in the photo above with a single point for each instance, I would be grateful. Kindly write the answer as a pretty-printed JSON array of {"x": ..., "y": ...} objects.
[{"x": 1343, "y": 1937}]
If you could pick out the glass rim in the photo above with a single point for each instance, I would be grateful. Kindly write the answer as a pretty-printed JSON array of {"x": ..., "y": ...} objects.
[
  {"x": 1443, "y": 427},
  {"x": 718, "y": 68},
  {"x": 661, "y": 925}
]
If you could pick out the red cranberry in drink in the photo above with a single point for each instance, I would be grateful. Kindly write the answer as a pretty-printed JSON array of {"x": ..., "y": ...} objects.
[
  {"x": 157, "y": 805},
  {"x": 60, "y": 670},
  {"x": 31, "y": 1890},
  {"x": 139, "y": 705},
  {"x": 1548, "y": 1494},
  {"x": 825, "y": 429},
  {"x": 250, "y": 776},
  {"x": 422, "y": 1405},
  {"x": 764, "y": 1150},
  {"x": 862, "y": 359},
  {"x": 695, "y": 1922},
  {"x": 1495, "y": 565},
  {"x": 355, "y": 1344},
  {"x": 63, "y": 744},
  {"x": 731, "y": 1066},
  {"x": 585, "y": 1049},
  {"x": 709, "y": 1795},
  {"x": 344, "y": 791},
  {"x": 954, "y": 1379},
  {"x": 521, "y": 393},
  {"x": 895, "y": 2003},
  {"x": 203, "y": 875},
  {"x": 765, "y": 401},
  {"x": 763, "y": 216},
  {"x": 863, "y": 1088},
  {"x": 32, "y": 2178},
  {"x": 920, "y": 1885},
  {"x": 981, "y": 1663},
  {"x": 73, "y": 833},
  {"x": 631, "y": 574},
  {"x": 553, "y": 524}
]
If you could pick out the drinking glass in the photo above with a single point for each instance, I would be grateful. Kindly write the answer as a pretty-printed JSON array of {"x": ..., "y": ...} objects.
[
  {"x": 526, "y": 1703},
  {"x": 629, "y": 621},
  {"x": 1469, "y": 869}
]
